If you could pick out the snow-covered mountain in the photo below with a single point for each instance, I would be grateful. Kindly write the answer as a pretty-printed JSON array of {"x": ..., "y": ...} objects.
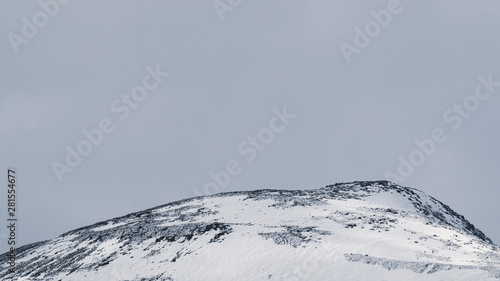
[{"x": 375, "y": 231}]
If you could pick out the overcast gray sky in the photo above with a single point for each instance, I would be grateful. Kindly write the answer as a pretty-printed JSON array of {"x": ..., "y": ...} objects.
[{"x": 232, "y": 65}]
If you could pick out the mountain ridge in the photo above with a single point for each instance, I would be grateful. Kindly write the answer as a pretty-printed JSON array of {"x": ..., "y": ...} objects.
[{"x": 378, "y": 226}]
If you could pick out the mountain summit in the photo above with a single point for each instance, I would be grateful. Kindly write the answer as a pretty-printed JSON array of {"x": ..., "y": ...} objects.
[{"x": 348, "y": 231}]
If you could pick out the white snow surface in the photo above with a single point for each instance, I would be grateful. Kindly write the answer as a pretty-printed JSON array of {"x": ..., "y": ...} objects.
[{"x": 349, "y": 231}]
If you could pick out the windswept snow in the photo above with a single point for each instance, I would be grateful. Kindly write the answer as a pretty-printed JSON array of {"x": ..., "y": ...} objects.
[{"x": 348, "y": 231}]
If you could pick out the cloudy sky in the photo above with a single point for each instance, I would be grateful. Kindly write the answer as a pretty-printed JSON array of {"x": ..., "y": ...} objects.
[{"x": 278, "y": 94}]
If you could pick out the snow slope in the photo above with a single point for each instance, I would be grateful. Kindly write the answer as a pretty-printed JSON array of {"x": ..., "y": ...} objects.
[{"x": 347, "y": 231}]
